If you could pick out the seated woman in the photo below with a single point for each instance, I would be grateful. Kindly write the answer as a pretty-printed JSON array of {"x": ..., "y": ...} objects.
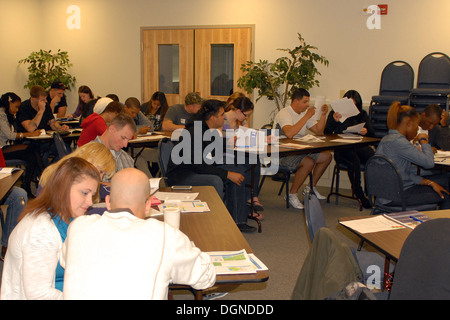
[
  {"x": 9, "y": 105},
  {"x": 350, "y": 157},
  {"x": 95, "y": 153},
  {"x": 239, "y": 110},
  {"x": 31, "y": 269},
  {"x": 85, "y": 96},
  {"x": 156, "y": 109},
  {"x": 94, "y": 125},
  {"x": 403, "y": 123}
]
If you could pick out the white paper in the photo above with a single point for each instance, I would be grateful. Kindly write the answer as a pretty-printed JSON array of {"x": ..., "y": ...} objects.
[
  {"x": 180, "y": 196},
  {"x": 320, "y": 101},
  {"x": 355, "y": 129},
  {"x": 250, "y": 139},
  {"x": 346, "y": 107},
  {"x": 373, "y": 224},
  {"x": 310, "y": 138}
]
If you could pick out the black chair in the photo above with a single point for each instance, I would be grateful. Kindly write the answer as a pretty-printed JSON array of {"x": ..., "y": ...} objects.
[
  {"x": 165, "y": 147},
  {"x": 422, "y": 271},
  {"x": 383, "y": 181},
  {"x": 397, "y": 81},
  {"x": 338, "y": 167},
  {"x": 60, "y": 145},
  {"x": 433, "y": 82}
]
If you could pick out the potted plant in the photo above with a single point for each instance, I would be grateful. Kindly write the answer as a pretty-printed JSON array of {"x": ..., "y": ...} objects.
[
  {"x": 45, "y": 68},
  {"x": 277, "y": 80}
]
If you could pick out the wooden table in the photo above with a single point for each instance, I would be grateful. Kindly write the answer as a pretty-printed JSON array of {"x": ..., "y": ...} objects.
[
  {"x": 7, "y": 183},
  {"x": 390, "y": 242},
  {"x": 216, "y": 231}
]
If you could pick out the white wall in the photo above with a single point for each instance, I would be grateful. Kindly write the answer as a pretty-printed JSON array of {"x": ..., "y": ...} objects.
[{"x": 106, "y": 50}]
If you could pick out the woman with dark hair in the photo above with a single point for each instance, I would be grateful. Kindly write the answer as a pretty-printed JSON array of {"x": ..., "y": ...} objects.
[
  {"x": 85, "y": 95},
  {"x": 11, "y": 141},
  {"x": 350, "y": 157},
  {"x": 403, "y": 124},
  {"x": 31, "y": 269},
  {"x": 155, "y": 109},
  {"x": 237, "y": 113}
]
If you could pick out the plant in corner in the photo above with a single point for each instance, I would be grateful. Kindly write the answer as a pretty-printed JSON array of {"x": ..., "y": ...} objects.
[
  {"x": 45, "y": 68},
  {"x": 277, "y": 80}
]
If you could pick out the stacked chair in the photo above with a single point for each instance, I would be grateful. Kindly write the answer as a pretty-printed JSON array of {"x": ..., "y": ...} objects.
[
  {"x": 433, "y": 82},
  {"x": 397, "y": 81}
]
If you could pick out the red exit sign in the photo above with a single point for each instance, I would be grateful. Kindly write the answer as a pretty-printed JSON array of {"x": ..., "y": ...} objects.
[{"x": 383, "y": 9}]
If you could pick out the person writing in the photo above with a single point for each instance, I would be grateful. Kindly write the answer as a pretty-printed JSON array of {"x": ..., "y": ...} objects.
[
  {"x": 403, "y": 124},
  {"x": 152, "y": 253},
  {"x": 31, "y": 270}
]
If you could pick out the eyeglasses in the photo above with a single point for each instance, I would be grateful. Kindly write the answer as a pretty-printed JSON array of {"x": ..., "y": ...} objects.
[{"x": 244, "y": 114}]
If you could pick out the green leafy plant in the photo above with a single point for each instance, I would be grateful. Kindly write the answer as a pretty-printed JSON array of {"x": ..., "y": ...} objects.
[
  {"x": 277, "y": 80},
  {"x": 45, "y": 68}
]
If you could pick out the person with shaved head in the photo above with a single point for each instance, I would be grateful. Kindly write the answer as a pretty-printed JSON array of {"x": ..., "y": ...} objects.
[{"x": 123, "y": 255}]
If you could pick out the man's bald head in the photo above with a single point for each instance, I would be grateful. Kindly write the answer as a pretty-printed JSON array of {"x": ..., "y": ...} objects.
[{"x": 130, "y": 188}]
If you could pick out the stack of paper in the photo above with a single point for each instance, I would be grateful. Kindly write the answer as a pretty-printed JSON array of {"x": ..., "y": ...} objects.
[
  {"x": 7, "y": 171},
  {"x": 235, "y": 262}
]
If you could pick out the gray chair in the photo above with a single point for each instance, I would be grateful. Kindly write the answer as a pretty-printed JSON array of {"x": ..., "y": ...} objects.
[
  {"x": 433, "y": 82},
  {"x": 165, "y": 147},
  {"x": 60, "y": 145},
  {"x": 397, "y": 81},
  {"x": 315, "y": 220},
  {"x": 383, "y": 181},
  {"x": 422, "y": 271}
]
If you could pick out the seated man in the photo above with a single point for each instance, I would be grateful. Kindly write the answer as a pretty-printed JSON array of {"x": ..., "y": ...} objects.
[
  {"x": 121, "y": 129},
  {"x": 204, "y": 167},
  {"x": 440, "y": 134},
  {"x": 104, "y": 111},
  {"x": 292, "y": 122},
  {"x": 57, "y": 99},
  {"x": 122, "y": 255},
  {"x": 34, "y": 114},
  {"x": 132, "y": 107},
  {"x": 178, "y": 115}
]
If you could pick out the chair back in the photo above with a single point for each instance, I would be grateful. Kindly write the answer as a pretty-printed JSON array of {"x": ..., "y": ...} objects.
[
  {"x": 165, "y": 147},
  {"x": 60, "y": 145},
  {"x": 434, "y": 71},
  {"x": 422, "y": 270},
  {"x": 383, "y": 180},
  {"x": 313, "y": 214},
  {"x": 397, "y": 79}
]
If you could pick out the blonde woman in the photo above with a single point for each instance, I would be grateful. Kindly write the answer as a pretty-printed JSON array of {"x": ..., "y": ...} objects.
[{"x": 95, "y": 153}]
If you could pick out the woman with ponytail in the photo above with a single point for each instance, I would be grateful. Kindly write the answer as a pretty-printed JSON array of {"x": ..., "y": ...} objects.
[
  {"x": 403, "y": 123},
  {"x": 11, "y": 141}
]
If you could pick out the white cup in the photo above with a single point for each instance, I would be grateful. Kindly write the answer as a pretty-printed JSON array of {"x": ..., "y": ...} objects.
[{"x": 172, "y": 215}]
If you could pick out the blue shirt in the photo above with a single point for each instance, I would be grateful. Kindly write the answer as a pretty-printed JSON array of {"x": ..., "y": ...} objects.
[
  {"x": 62, "y": 228},
  {"x": 406, "y": 156}
]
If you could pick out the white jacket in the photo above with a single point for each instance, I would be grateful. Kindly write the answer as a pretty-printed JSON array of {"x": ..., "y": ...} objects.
[
  {"x": 119, "y": 256},
  {"x": 31, "y": 260}
]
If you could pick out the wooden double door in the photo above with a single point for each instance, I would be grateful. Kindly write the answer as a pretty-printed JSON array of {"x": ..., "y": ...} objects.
[{"x": 204, "y": 60}]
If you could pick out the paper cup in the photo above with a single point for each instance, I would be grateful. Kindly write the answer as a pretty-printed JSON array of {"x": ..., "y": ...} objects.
[{"x": 172, "y": 215}]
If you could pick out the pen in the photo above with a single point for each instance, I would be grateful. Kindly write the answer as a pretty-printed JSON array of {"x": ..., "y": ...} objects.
[{"x": 415, "y": 219}]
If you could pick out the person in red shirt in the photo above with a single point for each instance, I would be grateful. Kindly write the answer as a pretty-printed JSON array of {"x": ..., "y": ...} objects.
[{"x": 94, "y": 125}]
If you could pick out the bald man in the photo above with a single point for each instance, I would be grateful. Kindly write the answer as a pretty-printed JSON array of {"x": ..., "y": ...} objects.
[{"x": 121, "y": 255}]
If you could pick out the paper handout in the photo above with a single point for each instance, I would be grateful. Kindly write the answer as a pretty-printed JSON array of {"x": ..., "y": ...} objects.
[
  {"x": 346, "y": 107},
  {"x": 355, "y": 129},
  {"x": 320, "y": 101}
]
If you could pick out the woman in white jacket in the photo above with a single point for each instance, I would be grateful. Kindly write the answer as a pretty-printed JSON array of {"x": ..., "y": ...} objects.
[{"x": 31, "y": 269}]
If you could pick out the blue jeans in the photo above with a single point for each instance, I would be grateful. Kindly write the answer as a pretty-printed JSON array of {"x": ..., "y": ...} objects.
[{"x": 16, "y": 202}]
